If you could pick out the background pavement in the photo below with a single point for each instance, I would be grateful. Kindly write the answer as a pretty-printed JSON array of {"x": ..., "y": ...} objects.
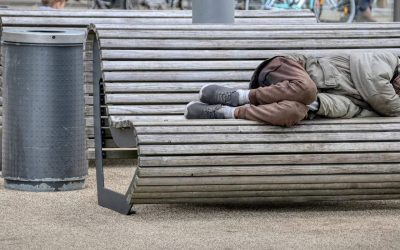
[{"x": 73, "y": 220}]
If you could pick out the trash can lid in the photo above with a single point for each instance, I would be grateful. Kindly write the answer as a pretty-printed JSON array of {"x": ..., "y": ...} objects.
[{"x": 43, "y": 36}]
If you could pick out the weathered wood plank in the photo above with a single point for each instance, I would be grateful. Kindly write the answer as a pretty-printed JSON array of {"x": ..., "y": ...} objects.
[
  {"x": 271, "y": 44},
  {"x": 270, "y": 200},
  {"x": 228, "y": 54},
  {"x": 268, "y": 170},
  {"x": 240, "y": 180},
  {"x": 280, "y": 193},
  {"x": 267, "y": 27},
  {"x": 150, "y": 98},
  {"x": 243, "y": 129},
  {"x": 301, "y": 33},
  {"x": 294, "y": 159},
  {"x": 260, "y": 187},
  {"x": 146, "y": 109},
  {"x": 179, "y": 65},
  {"x": 169, "y": 87},
  {"x": 208, "y": 138},
  {"x": 152, "y": 76},
  {"x": 179, "y": 120},
  {"x": 300, "y": 147}
]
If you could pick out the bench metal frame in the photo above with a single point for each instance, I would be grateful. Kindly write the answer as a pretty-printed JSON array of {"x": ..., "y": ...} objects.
[{"x": 106, "y": 197}]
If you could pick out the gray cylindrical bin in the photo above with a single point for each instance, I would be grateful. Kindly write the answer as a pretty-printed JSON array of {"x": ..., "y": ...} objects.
[
  {"x": 43, "y": 110},
  {"x": 213, "y": 11}
]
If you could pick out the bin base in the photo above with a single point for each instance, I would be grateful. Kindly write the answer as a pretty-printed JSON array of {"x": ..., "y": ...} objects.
[{"x": 44, "y": 186}]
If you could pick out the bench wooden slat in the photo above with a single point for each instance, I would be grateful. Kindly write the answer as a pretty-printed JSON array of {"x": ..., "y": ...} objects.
[
  {"x": 179, "y": 65},
  {"x": 175, "y": 87},
  {"x": 269, "y": 200},
  {"x": 179, "y": 120},
  {"x": 209, "y": 138},
  {"x": 226, "y": 54},
  {"x": 253, "y": 34},
  {"x": 280, "y": 193},
  {"x": 267, "y": 27},
  {"x": 239, "y": 180},
  {"x": 237, "y": 160},
  {"x": 258, "y": 187},
  {"x": 248, "y": 44},
  {"x": 202, "y": 171},
  {"x": 146, "y": 109},
  {"x": 221, "y": 75},
  {"x": 150, "y": 98},
  {"x": 213, "y": 149},
  {"x": 245, "y": 129}
]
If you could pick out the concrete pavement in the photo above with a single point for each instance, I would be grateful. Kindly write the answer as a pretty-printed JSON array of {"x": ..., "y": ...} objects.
[{"x": 73, "y": 220}]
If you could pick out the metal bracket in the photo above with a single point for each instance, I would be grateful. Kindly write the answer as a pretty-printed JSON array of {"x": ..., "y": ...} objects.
[{"x": 106, "y": 197}]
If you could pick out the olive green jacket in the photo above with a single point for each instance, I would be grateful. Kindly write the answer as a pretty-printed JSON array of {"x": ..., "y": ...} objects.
[{"x": 355, "y": 85}]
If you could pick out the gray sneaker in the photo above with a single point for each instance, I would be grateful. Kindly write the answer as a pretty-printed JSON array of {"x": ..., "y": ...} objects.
[
  {"x": 215, "y": 94},
  {"x": 199, "y": 110}
]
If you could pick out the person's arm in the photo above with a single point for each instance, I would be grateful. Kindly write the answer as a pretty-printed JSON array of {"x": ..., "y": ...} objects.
[
  {"x": 337, "y": 106},
  {"x": 371, "y": 74}
]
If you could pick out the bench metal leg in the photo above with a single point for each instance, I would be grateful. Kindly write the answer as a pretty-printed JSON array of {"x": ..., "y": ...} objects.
[{"x": 106, "y": 198}]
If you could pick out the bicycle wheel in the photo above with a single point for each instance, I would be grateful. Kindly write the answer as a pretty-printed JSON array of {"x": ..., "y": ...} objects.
[{"x": 338, "y": 11}]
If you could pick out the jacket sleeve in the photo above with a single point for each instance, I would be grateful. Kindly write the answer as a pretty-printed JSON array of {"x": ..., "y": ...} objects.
[{"x": 371, "y": 74}]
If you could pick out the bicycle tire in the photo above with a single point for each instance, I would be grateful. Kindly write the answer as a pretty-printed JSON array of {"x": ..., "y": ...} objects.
[{"x": 353, "y": 11}]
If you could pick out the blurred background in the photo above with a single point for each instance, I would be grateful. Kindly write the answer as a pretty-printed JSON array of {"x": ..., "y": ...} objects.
[{"x": 382, "y": 10}]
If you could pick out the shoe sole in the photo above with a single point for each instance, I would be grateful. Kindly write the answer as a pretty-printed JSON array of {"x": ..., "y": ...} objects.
[{"x": 187, "y": 106}]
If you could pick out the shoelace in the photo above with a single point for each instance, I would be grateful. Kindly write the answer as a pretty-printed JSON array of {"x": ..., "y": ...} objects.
[
  {"x": 210, "y": 110},
  {"x": 225, "y": 96}
]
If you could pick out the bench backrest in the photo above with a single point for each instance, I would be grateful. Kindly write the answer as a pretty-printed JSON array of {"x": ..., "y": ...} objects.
[{"x": 151, "y": 75}]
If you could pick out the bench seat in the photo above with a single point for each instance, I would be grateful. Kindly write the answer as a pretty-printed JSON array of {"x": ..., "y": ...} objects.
[{"x": 240, "y": 161}]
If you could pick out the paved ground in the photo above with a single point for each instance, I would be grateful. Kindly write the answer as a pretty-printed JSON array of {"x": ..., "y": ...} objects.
[{"x": 73, "y": 220}]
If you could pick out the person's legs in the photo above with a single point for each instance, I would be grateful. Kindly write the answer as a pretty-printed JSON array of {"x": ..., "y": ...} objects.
[
  {"x": 365, "y": 11},
  {"x": 283, "y": 113},
  {"x": 364, "y": 5},
  {"x": 281, "y": 79},
  {"x": 285, "y": 90}
]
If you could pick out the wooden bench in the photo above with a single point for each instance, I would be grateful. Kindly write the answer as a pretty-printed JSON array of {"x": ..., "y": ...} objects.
[
  {"x": 81, "y": 19},
  {"x": 143, "y": 80}
]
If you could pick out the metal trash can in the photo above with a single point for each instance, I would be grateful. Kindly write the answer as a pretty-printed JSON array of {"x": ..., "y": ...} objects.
[{"x": 43, "y": 110}]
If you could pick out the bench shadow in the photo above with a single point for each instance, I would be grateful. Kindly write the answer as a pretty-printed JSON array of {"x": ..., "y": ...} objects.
[{"x": 184, "y": 210}]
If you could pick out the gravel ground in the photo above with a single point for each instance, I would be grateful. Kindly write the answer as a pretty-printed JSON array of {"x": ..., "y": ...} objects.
[{"x": 73, "y": 220}]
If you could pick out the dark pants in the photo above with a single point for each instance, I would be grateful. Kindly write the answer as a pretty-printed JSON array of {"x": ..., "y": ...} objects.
[
  {"x": 282, "y": 98},
  {"x": 363, "y": 5}
]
